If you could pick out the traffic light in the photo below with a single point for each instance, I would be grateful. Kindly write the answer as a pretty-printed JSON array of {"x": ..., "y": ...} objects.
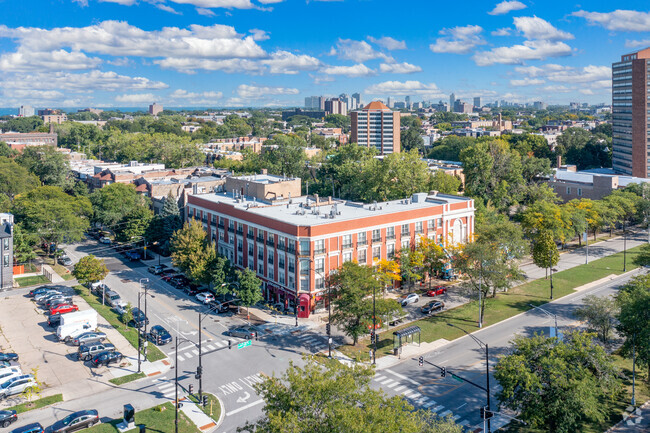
[
  {"x": 328, "y": 328},
  {"x": 482, "y": 412},
  {"x": 421, "y": 361},
  {"x": 443, "y": 372},
  {"x": 199, "y": 371},
  {"x": 229, "y": 344},
  {"x": 205, "y": 401},
  {"x": 486, "y": 414},
  {"x": 190, "y": 389},
  {"x": 372, "y": 336}
]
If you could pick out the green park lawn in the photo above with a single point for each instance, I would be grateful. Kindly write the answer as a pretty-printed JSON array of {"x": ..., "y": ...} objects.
[
  {"x": 159, "y": 419},
  {"x": 32, "y": 280},
  {"x": 37, "y": 404}
]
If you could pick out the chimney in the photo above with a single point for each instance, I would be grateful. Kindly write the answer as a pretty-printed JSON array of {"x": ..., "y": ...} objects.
[
  {"x": 316, "y": 198},
  {"x": 264, "y": 171},
  {"x": 559, "y": 161}
]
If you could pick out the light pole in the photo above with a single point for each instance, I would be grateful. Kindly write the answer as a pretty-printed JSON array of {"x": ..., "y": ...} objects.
[
  {"x": 374, "y": 327},
  {"x": 624, "y": 247},
  {"x": 633, "y": 368},
  {"x": 483, "y": 346},
  {"x": 550, "y": 265},
  {"x": 145, "y": 281},
  {"x": 554, "y": 316}
]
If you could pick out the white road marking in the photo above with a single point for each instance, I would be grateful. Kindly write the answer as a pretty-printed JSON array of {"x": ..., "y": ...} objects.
[
  {"x": 249, "y": 405},
  {"x": 437, "y": 408},
  {"x": 428, "y": 404},
  {"x": 401, "y": 376},
  {"x": 196, "y": 352},
  {"x": 445, "y": 413},
  {"x": 390, "y": 385},
  {"x": 180, "y": 358},
  {"x": 188, "y": 355},
  {"x": 219, "y": 344},
  {"x": 385, "y": 381},
  {"x": 407, "y": 392},
  {"x": 455, "y": 417},
  {"x": 379, "y": 377},
  {"x": 210, "y": 347},
  {"x": 399, "y": 388}
]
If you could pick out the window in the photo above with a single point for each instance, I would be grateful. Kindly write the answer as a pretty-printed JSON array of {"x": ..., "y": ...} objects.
[
  {"x": 221, "y": 236},
  {"x": 292, "y": 282},
  {"x": 260, "y": 269},
  {"x": 361, "y": 238},
  {"x": 406, "y": 244},
  {"x": 270, "y": 258},
  {"x": 270, "y": 273},
  {"x": 319, "y": 265},
  {"x": 6, "y": 243},
  {"x": 281, "y": 261},
  {"x": 439, "y": 239},
  {"x": 250, "y": 234},
  {"x": 418, "y": 227},
  {"x": 347, "y": 257},
  {"x": 362, "y": 257},
  {"x": 568, "y": 190},
  {"x": 439, "y": 222},
  {"x": 320, "y": 283},
  {"x": 292, "y": 264},
  {"x": 376, "y": 235},
  {"x": 431, "y": 224},
  {"x": 405, "y": 230},
  {"x": 347, "y": 241},
  {"x": 240, "y": 245},
  {"x": 304, "y": 267},
  {"x": 390, "y": 251},
  {"x": 6, "y": 260},
  {"x": 304, "y": 283},
  {"x": 281, "y": 243},
  {"x": 240, "y": 259},
  {"x": 319, "y": 246},
  {"x": 281, "y": 278},
  {"x": 579, "y": 192},
  {"x": 260, "y": 253},
  {"x": 376, "y": 253},
  {"x": 251, "y": 250},
  {"x": 390, "y": 233},
  {"x": 304, "y": 246}
]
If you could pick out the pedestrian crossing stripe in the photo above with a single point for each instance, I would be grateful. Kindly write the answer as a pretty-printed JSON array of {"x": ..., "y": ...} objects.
[
  {"x": 399, "y": 388},
  {"x": 445, "y": 413},
  {"x": 391, "y": 385}
]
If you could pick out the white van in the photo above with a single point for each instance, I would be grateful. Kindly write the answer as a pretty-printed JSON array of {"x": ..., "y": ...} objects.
[
  {"x": 68, "y": 332},
  {"x": 79, "y": 317}
]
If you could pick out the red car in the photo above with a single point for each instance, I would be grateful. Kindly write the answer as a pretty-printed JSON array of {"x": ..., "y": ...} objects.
[
  {"x": 438, "y": 290},
  {"x": 62, "y": 309}
]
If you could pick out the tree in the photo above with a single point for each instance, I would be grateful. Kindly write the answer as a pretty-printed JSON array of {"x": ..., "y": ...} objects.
[
  {"x": 444, "y": 183},
  {"x": 192, "y": 253},
  {"x": 15, "y": 179},
  {"x": 22, "y": 124},
  {"x": 545, "y": 253},
  {"x": 557, "y": 386},
  {"x": 171, "y": 218},
  {"x": 387, "y": 272},
  {"x": 546, "y": 216},
  {"x": 113, "y": 202},
  {"x": 249, "y": 290},
  {"x": 23, "y": 245},
  {"x": 133, "y": 226},
  {"x": 89, "y": 269},
  {"x": 633, "y": 301},
  {"x": 51, "y": 167},
  {"x": 599, "y": 313},
  {"x": 337, "y": 398},
  {"x": 36, "y": 388},
  {"x": 221, "y": 273},
  {"x": 127, "y": 315},
  {"x": 411, "y": 139},
  {"x": 52, "y": 215},
  {"x": 434, "y": 256},
  {"x": 411, "y": 264},
  {"x": 288, "y": 158}
]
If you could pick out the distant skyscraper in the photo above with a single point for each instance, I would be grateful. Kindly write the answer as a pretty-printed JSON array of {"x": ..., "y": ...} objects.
[
  {"x": 407, "y": 101},
  {"x": 357, "y": 99},
  {"x": 389, "y": 102},
  {"x": 477, "y": 102},
  {"x": 312, "y": 103},
  {"x": 630, "y": 144},
  {"x": 26, "y": 111},
  {"x": 452, "y": 99},
  {"x": 376, "y": 126},
  {"x": 155, "y": 109},
  {"x": 336, "y": 106}
]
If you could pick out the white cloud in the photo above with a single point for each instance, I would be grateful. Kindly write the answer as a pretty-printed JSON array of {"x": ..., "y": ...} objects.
[
  {"x": 399, "y": 68},
  {"x": 399, "y": 88},
  {"x": 246, "y": 91},
  {"x": 618, "y": 20},
  {"x": 81, "y": 83},
  {"x": 184, "y": 94},
  {"x": 501, "y": 32},
  {"x": 32, "y": 94},
  {"x": 358, "y": 51},
  {"x": 140, "y": 98},
  {"x": 517, "y": 54},
  {"x": 205, "y": 12},
  {"x": 284, "y": 62},
  {"x": 556, "y": 89},
  {"x": 166, "y": 8},
  {"x": 459, "y": 40},
  {"x": 227, "y": 4},
  {"x": 527, "y": 82},
  {"x": 388, "y": 43},
  {"x": 637, "y": 44},
  {"x": 260, "y": 35},
  {"x": 25, "y": 60},
  {"x": 121, "y": 2},
  {"x": 120, "y": 61},
  {"x": 358, "y": 70},
  {"x": 569, "y": 74},
  {"x": 506, "y": 6},
  {"x": 537, "y": 28}
]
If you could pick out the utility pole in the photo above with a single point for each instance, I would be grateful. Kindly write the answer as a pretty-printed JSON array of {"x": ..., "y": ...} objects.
[
  {"x": 550, "y": 265},
  {"x": 139, "y": 335},
  {"x": 587, "y": 246},
  {"x": 624, "y": 247},
  {"x": 480, "y": 293},
  {"x": 554, "y": 316},
  {"x": 633, "y": 368},
  {"x": 176, "y": 385},
  {"x": 374, "y": 328}
]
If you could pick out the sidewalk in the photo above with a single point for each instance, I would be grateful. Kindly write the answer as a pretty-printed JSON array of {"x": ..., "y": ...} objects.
[
  {"x": 198, "y": 417},
  {"x": 634, "y": 420}
]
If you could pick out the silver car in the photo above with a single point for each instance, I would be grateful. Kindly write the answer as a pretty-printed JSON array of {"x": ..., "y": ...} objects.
[
  {"x": 17, "y": 385},
  {"x": 89, "y": 338},
  {"x": 411, "y": 298}
]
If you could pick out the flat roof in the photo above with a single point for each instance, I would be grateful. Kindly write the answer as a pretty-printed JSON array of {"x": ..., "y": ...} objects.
[
  {"x": 587, "y": 176},
  {"x": 301, "y": 211},
  {"x": 264, "y": 178}
]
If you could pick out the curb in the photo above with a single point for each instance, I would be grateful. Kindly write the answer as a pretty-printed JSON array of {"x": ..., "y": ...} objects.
[{"x": 222, "y": 412}]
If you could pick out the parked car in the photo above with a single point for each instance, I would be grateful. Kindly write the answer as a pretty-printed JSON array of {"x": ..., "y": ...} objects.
[
  {"x": 106, "y": 358},
  {"x": 98, "y": 288},
  {"x": 159, "y": 335},
  {"x": 410, "y": 298},
  {"x": 205, "y": 297},
  {"x": 168, "y": 276},
  {"x": 29, "y": 428},
  {"x": 17, "y": 385},
  {"x": 245, "y": 333},
  {"x": 218, "y": 307},
  {"x": 54, "y": 320},
  {"x": 105, "y": 240},
  {"x": 65, "y": 261},
  {"x": 139, "y": 319},
  {"x": 38, "y": 291},
  {"x": 87, "y": 351},
  {"x": 432, "y": 306},
  {"x": 133, "y": 255},
  {"x": 41, "y": 297},
  {"x": 157, "y": 269},
  {"x": 89, "y": 338},
  {"x": 438, "y": 290},
  {"x": 189, "y": 288},
  {"x": 57, "y": 300},
  {"x": 9, "y": 373},
  {"x": 7, "y": 417},
  {"x": 8, "y": 357},
  {"x": 168, "y": 271},
  {"x": 5, "y": 364},
  {"x": 65, "y": 308},
  {"x": 76, "y": 421}
]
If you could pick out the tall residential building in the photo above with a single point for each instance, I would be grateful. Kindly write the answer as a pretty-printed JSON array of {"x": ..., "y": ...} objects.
[
  {"x": 26, "y": 111},
  {"x": 336, "y": 106},
  {"x": 389, "y": 102},
  {"x": 376, "y": 126},
  {"x": 477, "y": 102},
  {"x": 357, "y": 99},
  {"x": 407, "y": 101},
  {"x": 7, "y": 246},
  {"x": 155, "y": 109},
  {"x": 452, "y": 99},
  {"x": 312, "y": 103},
  {"x": 630, "y": 140}
]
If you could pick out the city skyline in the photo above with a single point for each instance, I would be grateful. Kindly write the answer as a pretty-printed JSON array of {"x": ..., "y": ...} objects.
[{"x": 229, "y": 53}]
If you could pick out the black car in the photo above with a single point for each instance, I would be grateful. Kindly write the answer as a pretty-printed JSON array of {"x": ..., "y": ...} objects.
[
  {"x": 189, "y": 288},
  {"x": 76, "y": 421},
  {"x": 218, "y": 307},
  {"x": 159, "y": 335},
  {"x": 139, "y": 319},
  {"x": 8, "y": 357},
  {"x": 7, "y": 417},
  {"x": 432, "y": 306},
  {"x": 29, "y": 428},
  {"x": 107, "y": 357},
  {"x": 87, "y": 351},
  {"x": 54, "y": 320},
  {"x": 57, "y": 301}
]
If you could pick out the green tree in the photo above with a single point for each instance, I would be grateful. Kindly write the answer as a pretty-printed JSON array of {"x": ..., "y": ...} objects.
[
  {"x": 545, "y": 253},
  {"x": 6, "y": 151},
  {"x": 15, "y": 179},
  {"x": 23, "y": 245},
  {"x": 114, "y": 202},
  {"x": 249, "y": 290},
  {"x": 51, "y": 215},
  {"x": 338, "y": 121},
  {"x": 411, "y": 139},
  {"x": 329, "y": 398},
  {"x": 134, "y": 225},
  {"x": 547, "y": 216},
  {"x": 449, "y": 148},
  {"x": 444, "y": 183},
  {"x": 192, "y": 252},
  {"x": 599, "y": 313},
  {"x": 633, "y": 301},
  {"x": 22, "y": 124},
  {"x": 288, "y": 158},
  {"x": 127, "y": 315},
  {"x": 221, "y": 273},
  {"x": 51, "y": 167},
  {"x": 89, "y": 269},
  {"x": 557, "y": 386},
  {"x": 34, "y": 390},
  {"x": 171, "y": 217}
]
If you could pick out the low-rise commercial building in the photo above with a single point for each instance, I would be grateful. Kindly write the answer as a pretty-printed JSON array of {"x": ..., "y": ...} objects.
[{"x": 18, "y": 140}]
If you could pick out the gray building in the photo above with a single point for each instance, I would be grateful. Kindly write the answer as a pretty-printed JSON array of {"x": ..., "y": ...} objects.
[
  {"x": 7, "y": 245},
  {"x": 477, "y": 102}
]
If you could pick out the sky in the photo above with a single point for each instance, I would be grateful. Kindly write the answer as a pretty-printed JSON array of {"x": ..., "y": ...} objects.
[{"x": 265, "y": 53}]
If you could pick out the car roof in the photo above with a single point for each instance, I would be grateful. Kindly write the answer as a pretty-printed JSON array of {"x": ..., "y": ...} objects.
[
  {"x": 158, "y": 328},
  {"x": 28, "y": 427}
]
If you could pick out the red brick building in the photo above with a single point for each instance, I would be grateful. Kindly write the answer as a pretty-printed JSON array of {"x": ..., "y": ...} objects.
[{"x": 294, "y": 242}]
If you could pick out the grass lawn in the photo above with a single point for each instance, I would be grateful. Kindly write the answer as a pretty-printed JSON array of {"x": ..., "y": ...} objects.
[
  {"x": 63, "y": 272},
  {"x": 32, "y": 280},
  {"x": 505, "y": 305},
  {"x": 159, "y": 419},
  {"x": 213, "y": 409},
  {"x": 131, "y": 334},
  {"x": 126, "y": 379},
  {"x": 37, "y": 404}
]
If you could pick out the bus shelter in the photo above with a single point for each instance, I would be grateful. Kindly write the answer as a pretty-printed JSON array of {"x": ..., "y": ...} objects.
[{"x": 405, "y": 336}]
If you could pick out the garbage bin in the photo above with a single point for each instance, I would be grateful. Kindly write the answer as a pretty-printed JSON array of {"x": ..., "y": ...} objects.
[
  {"x": 129, "y": 413},
  {"x": 396, "y": 351}
]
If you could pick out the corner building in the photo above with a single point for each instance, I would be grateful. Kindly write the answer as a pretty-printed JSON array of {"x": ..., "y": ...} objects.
[
  {"x": 293, "y": 242},
  {"x": 376, "y": 126}
]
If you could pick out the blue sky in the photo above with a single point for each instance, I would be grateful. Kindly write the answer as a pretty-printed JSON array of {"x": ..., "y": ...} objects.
[{"x": 275, "y": 52}]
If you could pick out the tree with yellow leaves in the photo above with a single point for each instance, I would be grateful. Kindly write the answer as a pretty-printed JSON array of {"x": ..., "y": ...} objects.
[{"x": 387, "y": 272}]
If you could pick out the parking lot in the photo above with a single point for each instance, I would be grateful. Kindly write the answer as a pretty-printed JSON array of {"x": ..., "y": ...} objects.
[{"x": 24, "y": 330}]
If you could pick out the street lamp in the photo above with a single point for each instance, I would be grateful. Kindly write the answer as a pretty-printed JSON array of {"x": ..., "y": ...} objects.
[
  {"x": 328, "y": 329},
  {"x": 483, "y": 346},
  {"x": 624, "y": 247},
  {"x": 550, "y": 265},
  {"x": 554, "y": 316},
  {"x": 145, "y": 281}
]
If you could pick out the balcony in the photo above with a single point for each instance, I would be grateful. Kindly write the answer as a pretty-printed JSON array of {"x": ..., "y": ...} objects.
[
  {"x": 362, "y": 243},
  {"x": 240, "y": 248},
  {"x": 213, "y": 222},
  {"x": 346, "y": 246},
  {"x": 260, "y": 239},
  {"x": 406, "y": 233},
  {"x": 291, "y": 249},
  {"x": 319, "y": 250},
  {"x": 376, "y": 239},
  {"x": 270, "y": 242},
  {"x": 240, "y": 232},
  {"x": 220, "y": 225},
  {"x": 260, "y": 257},
  {"x": 292, "y": 268},
  {"x": 231, "y": 229},
  {"x": 390, "y": 237},
  {"x": 250, "y": 236}
]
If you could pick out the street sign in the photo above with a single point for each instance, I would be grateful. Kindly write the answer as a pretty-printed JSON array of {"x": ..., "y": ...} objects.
[
  {"x": 456, "y": 378},
  {"x": 244, "y": 344}
]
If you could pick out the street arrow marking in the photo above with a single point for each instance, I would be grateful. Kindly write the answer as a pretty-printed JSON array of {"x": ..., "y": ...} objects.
[{"x": 243, "y": 399}]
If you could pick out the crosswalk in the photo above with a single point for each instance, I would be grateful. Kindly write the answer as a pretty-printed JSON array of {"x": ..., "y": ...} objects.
[
  {"x": 167, "y": 388},
  {"x": 312, "y": 342},
  {"x": 191, "y": 351}
]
